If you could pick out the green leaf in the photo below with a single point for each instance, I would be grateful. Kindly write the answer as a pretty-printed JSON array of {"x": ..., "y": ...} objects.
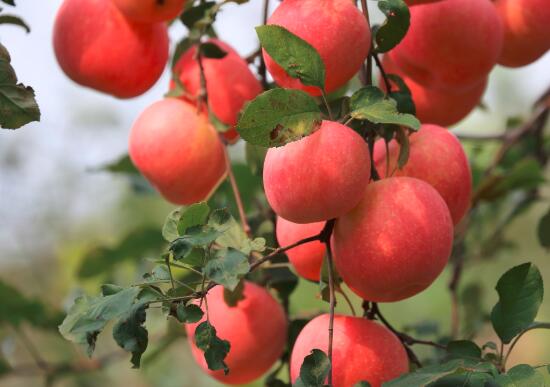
[
  {"x": 315, "y": 368},
  {"x": 402, "y": 96},
  {"x": 520, "y": 293},
  {"x": 212, "y": 50},
  {"x": 543, "y": 230},
  {"x": 189, "y": 313},
  {"x": 215, "y": 349},
  {"x": 122, "y": 165},
  {"x": 9, "y": 2},
  {"x": 296, "y": 56},
  {"x": 200, "y": 13},
  {"x": 130, "y": 334},
  {"x": 15, "y": 20},
  {"x": 255, "y": 156},
  {"x": 170, "y": 228},
  {"x": 396, "y": 25},
  {"x": 227, "y": 268},
  {"x": 89, "y": 315},
  {"x": 279, "y": 116},
  {"x": 522, "y": 375},
  {"x": 369, "y": 103},
  {"x": 181, "y": 248},
  {"x": 194, "y": 215},
  {"x": 232, "y": 297},
  {"x": 15, "y": 309},
  {"x": 232, "y": 234},
  {"x": 463, "y": 349},
  {"x": 109, "y": 289}
]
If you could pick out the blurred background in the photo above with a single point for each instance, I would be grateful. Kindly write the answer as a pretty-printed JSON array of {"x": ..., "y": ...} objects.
[{"x": 62, "y": 216}]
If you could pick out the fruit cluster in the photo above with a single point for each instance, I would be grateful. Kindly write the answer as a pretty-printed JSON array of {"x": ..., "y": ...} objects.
[{"x": 392, "y": 230}]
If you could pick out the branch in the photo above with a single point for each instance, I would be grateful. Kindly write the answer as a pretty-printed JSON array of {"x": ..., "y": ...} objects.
[
  {"x": 533, "y": 326},
  {"x": 326, "y": 237}
]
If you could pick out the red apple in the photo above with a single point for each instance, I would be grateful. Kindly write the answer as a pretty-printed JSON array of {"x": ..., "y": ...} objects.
[
  {"x": 437, "y": 157},
  {"x": 97, "y": 47},
  {"x": 307, "y": 259},
  {"x": 363, "y": 350},
  {"x": 526, "y": 30},
  {"x": 335, "y": 28},
  {"x": 256, "y": 328},
  {"x": 396, "y": 242},
  {"x": 150, "y": 11},
  {"x": 319, "y": 177},
  {"x": 178, "y": 151},
  {"x": 451, "y": 44},
  {"x": 436, "y": 106}
]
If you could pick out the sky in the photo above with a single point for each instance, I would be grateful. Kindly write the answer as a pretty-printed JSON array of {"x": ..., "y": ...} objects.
[{"x": 44, "y": 167}]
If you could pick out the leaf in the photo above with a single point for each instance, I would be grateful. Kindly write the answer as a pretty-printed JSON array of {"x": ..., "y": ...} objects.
[
  {"x": 89, "y": 315},
  {"x": 17, "y": 103},
  {"x": 122, "y": 165},
  {"x": 463, "y": 349},
  {"x": 189, "y": 313},
  {"x": 232, "y": 234},
  {"x": 9, "y": 2},
  {"x": 197, "y": 14},
  {"x": 109, "y": 289},
  {"x": 227, "y": 268},
  {"x": 279, "y": 116},
  {"x": 212, "y": 50},
  {"x": 194, "y": 215},
  {"x": 396, "y": 25},
  {"x": 543, "y": 230},
  {"x": 369, "y": 103},
  {"x": 255, "y": 156},
  {"x": 315, "y": 368},
  {"x": 522, "y": 375},
  {"x": 296, "y": 56},
  {"x": 170, "y": 228},
  {"x": 130, "y": 334},
  {"x": 404, "y": 147},
  {"x": 520, "y": 293},
  {"x": 15, "y": 20},
  {"x": 15, "y": 309},
  {"x": 233, "y": 297},
  {"x": 402, "y": 96},
  {"x": 215, "y": 349}
]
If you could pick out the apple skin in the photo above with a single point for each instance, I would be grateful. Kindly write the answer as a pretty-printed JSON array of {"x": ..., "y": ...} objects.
[
  {"x": 177, "y": 151},
  {"x": 343, "y": 44},
  {"x": 451, "y": 44},
  {"x": 396, "y": 242},
  {"x": 97, "y": 47},
  {"x": 436, "y": 157},
  {"x": 318, "y": 177},
  {"x": 435, "y": 106},
  {"x": 307, "y": 259},
  {"x": 416, "y": 2},
  {"x": 363, "y": 350},
  {"x": 526, "y": 30},
  {"x": 256, "y": 329},
  {"x": 150, "y": 11},
  {"x": 229, "y": 82}
]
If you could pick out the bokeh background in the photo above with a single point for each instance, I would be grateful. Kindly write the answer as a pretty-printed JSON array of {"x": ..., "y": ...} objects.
[{"x": 56, "y": 206}]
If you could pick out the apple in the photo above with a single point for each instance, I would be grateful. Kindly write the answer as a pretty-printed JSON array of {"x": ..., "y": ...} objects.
[
  {"x": 97, "y": 47},
  {"x": 451, "y": 44},
  {"x": 436, "y": 157},
  {"x": 256, "y": 329},
  {"x": 318, "y": 177},
  {"x": 436, "y": 106},
  {"x": 363, "y": 350},
  {"x": 177, "y": 151},
  {"x": 526, "y": 30},
  {"x": 150, "y": 11},
  {"x": 229, "y": 82},
  {"x": 396, "y": 242},
  {"x": 307, "y": 259},
  {"x": 335, "y": 28}
]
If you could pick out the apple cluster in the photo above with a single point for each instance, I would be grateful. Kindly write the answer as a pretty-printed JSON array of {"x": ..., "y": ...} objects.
[{"x": 393, "y": 232}]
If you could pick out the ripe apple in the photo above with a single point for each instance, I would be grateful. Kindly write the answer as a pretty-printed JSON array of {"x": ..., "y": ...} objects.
[
  {"x": 178, "y": 151},
  {"x": 256, "y": 328},
  {"x": 150, "y": 11},
  {"x": 396, "y": 242},
  {"x": 97, "y": 47},
  {"x": 451, "y": 44},
  {"x": 363, "y": 350},
  {"x": 335, "y": 28},
  {"x": 437, "y": 157},
  {"x": 526, "y": 30},
  {"x": 436, "y": 106},
  {"x": 307, "y": 259},
  {"x": 229, "y": 82},
  {"x": 318, "y": 177}
]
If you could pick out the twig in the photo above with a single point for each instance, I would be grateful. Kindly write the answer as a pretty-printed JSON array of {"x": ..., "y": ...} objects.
[
  {"x": 366, "y": 70},
  {"x": 518, "y": 337},
  {"x": 262, "y": 70},
  {"x": 237, "y": 194},
  {"x": 326, "y": 237},
  {"x": 387, "y": 82}
]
